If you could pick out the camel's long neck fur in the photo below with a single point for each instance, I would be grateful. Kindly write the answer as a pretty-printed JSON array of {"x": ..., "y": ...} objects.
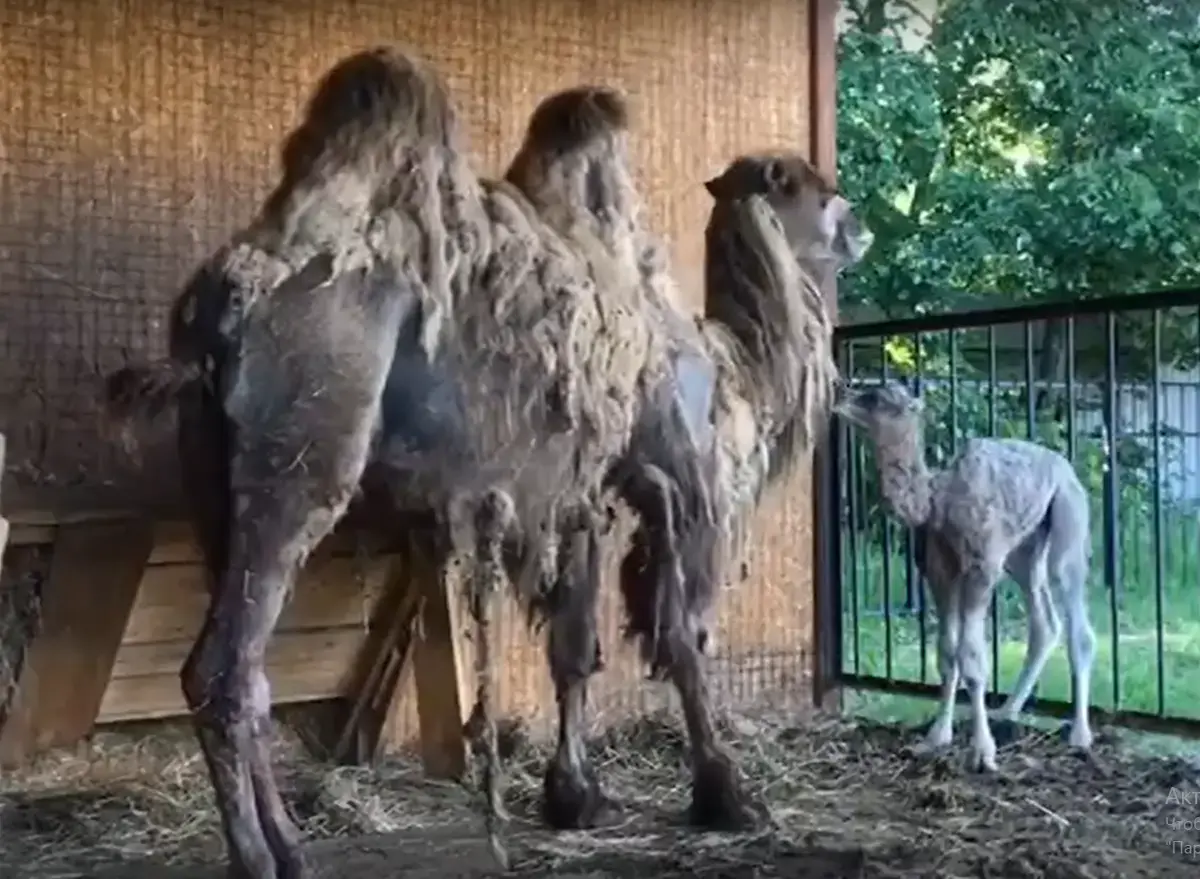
[
  {"x": 905, "y": 480},
  {"x": 780, "y": 334}
]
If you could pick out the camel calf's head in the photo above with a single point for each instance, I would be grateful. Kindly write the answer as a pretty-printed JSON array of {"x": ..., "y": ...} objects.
[
  {"x": 818, "y": 222},
  {"x": 887, "y": 412}
]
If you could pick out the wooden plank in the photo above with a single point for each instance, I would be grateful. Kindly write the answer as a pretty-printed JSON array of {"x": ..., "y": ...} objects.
[
  {"x": 381, "y": 661},
  {"x": 174, "y": 540},
  {"x": 438, "y": 671},
  {"x": 302, "y": 667},
  {"x": 320, "y": 651},
  {"x": 822, "y": 30},
  {"x": 91, "y": 587},
  {"x": 173, "y": 599}
]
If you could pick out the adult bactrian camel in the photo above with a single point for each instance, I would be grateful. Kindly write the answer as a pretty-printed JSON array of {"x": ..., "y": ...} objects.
[
  {"x": 748, "y": 390},
  {"x": 390, "y": 319}
]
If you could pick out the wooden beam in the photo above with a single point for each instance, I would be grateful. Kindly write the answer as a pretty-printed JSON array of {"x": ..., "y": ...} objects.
[
  {"x": 93, "y": 580},
  {"x": 376, "y": 677},
  {"x": 822, "y": 127},
  {"x": 438, "y": 669}
]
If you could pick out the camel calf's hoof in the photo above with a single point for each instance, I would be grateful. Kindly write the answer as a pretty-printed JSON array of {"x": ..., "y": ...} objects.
[
  {"x": 718, "y": 801},
  {"x": 982, "y": 759},
  {"x": 1078, "y": 737},
  {"x": 571, "y": 800}
]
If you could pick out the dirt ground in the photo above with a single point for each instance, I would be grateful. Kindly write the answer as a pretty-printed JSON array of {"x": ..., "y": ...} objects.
[{"x": 848, "y": 799}]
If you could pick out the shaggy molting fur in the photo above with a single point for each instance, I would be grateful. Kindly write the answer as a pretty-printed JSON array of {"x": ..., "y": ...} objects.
[{"x": 388, "y": 313}]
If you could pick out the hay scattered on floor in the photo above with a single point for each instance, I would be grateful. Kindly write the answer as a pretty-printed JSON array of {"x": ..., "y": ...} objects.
[{"x": 847, "y": 799}]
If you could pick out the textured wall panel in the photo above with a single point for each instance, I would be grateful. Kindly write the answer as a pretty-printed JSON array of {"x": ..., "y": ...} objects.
[{"x": 135, "y": 136}]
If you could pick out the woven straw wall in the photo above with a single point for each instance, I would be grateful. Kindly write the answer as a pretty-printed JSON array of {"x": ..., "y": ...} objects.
[{"x": 135, "y": 136}]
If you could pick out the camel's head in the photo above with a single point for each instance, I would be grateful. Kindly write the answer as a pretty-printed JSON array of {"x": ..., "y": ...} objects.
[
  {"x": 887, "y": 412},
  {"x": 818, "y": 222}
]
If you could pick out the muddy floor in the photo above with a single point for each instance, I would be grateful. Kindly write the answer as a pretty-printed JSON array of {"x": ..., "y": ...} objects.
[{"x": 847, "y": 799}]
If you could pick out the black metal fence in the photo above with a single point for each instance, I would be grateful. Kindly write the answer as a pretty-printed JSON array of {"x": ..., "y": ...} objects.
[{"x": 1113, "y": 384}]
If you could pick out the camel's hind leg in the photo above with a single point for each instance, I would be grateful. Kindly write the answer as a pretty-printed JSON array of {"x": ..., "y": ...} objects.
[
  {"x": 294, "y": 434},
  {"x": 277, "y": 519},
  {"x": 572, "y": 795},
  {"x": 1027, "y": 565}
]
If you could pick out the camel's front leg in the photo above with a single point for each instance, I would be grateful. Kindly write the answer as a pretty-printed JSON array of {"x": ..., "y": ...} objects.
[
  {"x": 974, "y": 589},
  {"x": 941, "y": 731},
  {"x": 572, "y": 795}
]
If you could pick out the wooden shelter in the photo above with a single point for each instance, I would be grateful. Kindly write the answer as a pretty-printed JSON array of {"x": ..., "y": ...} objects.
[{"x": 134, "y": 137}]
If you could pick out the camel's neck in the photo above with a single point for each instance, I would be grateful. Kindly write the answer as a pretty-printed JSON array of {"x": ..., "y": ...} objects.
[
  {"x": 771, "y": 306},
  {"x": 905, "y": 481}
]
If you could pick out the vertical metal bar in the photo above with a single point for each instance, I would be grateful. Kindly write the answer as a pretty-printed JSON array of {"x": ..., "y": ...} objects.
[
  {"x": 953, "y": 346},
  {"x": 910, "y": 579},
  {"x": 830, "y": 659},
  {"x": 1071, "y": 446},
  {"x": 1112, "y": 494},
  {"x": 1031, "y": 435},
  {"x": 913, "y": 583},
  {"x": 1030, "y": 393},
  {"x": 887, "y": 553},
  {"x": 992, "y": 429},
  {"x": 863, "y": 527},
  {"x": 853, "y": 512},
  {"x": 1156, "y": 415}
]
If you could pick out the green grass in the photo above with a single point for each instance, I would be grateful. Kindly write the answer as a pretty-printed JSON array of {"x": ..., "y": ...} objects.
[{"x": 1131, "y": 657}]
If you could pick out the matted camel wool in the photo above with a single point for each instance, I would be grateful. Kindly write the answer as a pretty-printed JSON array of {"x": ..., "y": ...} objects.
[{"x": 176, "y": 112}]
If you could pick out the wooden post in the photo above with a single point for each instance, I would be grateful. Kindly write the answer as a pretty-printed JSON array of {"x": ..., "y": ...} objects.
[
  {"x": 827, "y": 693},
  {"x": 437, "y": 664},
  {"x": 370, "y": 709},
  {"x": 95, "y": 571},
  {"x": 3, "y": 521}
]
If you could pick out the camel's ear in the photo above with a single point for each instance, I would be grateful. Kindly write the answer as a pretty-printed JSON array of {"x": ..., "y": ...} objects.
[
  {"x": 716, "y": 186},
  {"x": 775, "y": 176}
]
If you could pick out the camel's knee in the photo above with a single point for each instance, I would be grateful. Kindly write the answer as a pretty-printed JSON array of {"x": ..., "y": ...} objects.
[
  {"x": 575, "y": 652},
  {"x": 220, "y": 683}
]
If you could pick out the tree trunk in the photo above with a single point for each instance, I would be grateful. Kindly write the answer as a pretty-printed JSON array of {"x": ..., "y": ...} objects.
[{"x": 1049, "y": 368}]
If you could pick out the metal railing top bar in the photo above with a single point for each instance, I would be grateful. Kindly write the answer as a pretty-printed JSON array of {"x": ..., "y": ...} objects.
[{"x": 981, "y": 318}]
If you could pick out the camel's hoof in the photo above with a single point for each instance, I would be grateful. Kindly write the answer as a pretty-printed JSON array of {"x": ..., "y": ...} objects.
[
  {"x": 1006, "y": 731},
  {"x": 982, "y": 759},
  {"x": 295, "y": 866},
  {"x": 718, "y": 801},
  {"x": 571, "y": 801},
  {"x": 934, "y": 740},
  {"x": 1078, "y": 738}
]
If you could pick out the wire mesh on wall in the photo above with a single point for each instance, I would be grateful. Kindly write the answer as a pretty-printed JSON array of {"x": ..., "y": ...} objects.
[{"x": 135, "y": 137}]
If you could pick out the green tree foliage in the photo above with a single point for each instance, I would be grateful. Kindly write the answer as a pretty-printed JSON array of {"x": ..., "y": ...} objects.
[
  {"x": 1021, "y": 150},
  {"x": 1024, "y": 151}
]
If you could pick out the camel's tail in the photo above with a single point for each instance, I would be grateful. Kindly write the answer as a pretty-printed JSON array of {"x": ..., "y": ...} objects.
[
  {"x": 493, "y": 520},
  {"x": 143, "y": 393}
]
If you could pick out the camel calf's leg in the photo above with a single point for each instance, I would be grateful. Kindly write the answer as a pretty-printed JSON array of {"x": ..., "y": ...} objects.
[
  {"x": 941, "y": 731},
  {"x": 974, "y": 589}
]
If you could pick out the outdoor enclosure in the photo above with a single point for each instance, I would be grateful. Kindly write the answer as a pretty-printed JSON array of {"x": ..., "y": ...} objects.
[
  {"x": 136, "y": 137},
  {"x": 1111, "y": 383}
]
